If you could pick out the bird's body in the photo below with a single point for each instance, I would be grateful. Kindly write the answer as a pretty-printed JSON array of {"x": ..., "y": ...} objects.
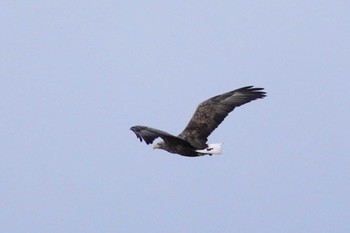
[{"x": 209, "y": 114}]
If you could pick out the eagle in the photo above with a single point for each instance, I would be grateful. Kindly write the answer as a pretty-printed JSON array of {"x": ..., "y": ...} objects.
[{"x": 192, "y": 141}]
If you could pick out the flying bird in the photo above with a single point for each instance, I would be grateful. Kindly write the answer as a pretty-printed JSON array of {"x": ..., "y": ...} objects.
[{"x": 209, "y": 114}]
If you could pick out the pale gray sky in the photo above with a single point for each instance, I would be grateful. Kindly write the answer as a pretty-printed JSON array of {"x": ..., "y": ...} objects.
[{"x": 75, "y": 75}]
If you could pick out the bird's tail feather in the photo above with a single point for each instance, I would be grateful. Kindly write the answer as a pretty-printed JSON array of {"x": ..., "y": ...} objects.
[{"x": 214, "y": 148}]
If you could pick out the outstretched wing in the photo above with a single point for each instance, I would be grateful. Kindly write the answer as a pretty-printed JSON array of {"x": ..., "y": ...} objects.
[
  {"x": 210, "y": 113},
  {"x": 149, "y": 134}
]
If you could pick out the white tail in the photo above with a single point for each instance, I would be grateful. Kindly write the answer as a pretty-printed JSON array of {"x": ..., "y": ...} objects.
[{"x": 211, "y": 149}]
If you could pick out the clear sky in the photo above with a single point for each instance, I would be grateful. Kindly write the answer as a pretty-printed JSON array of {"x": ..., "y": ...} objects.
[{"x": 76, "y": 75}]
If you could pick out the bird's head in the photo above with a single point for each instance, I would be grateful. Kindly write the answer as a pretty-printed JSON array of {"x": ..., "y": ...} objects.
[{"x": 159, "y": 145}]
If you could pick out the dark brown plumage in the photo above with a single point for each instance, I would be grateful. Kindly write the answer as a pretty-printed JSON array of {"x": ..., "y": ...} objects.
[{"x": 207, "y": 117}]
